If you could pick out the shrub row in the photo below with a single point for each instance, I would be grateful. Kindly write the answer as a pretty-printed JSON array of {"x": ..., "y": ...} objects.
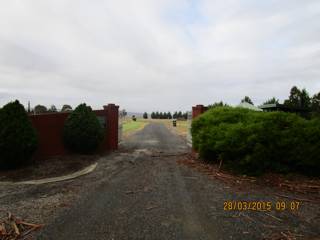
[
  {"x": 18, "y": 140},
  {"x": 252, "y": 142}
]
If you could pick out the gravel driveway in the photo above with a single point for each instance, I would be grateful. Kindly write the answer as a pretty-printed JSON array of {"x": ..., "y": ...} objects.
[{"x": 140, "y": 192}]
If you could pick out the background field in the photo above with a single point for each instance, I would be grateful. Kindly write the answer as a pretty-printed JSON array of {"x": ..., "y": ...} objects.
[
  {"x": 130, "y": 127},
  {"x": 181, "y": 128}
]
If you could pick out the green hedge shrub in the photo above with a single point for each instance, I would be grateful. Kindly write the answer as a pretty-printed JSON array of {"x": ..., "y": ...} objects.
[
  {"x": 18, "y": 140},
  {"x": 82, "y": 131},
  {"x": 255, "y": 142}
]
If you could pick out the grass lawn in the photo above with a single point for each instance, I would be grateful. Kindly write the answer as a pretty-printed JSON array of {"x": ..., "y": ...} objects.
[
  {"x": 182, "y": 127},
  {"x": 130, "y": 126}
]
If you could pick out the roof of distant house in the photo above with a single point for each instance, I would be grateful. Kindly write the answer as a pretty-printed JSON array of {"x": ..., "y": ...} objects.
[
  {"x": 282, "y": 107},
  {"x": 249, "y": 106}
]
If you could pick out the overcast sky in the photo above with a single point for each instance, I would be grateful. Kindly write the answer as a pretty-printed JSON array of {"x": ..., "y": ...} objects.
[{"x": 147, "y": 55}]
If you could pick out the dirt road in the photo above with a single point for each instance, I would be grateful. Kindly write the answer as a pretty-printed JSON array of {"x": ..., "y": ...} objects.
[{"x": 150, "y": 196}]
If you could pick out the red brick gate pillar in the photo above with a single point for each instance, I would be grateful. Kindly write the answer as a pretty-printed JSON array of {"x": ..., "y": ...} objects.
[
  {"x": 112, "y": 121},
  {"x": 198, "y": 110}
]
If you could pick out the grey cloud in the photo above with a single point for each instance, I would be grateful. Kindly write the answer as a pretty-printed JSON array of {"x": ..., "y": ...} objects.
[
  {"x": 133, "y": 54},
  {"x": 14, "y": 55}
]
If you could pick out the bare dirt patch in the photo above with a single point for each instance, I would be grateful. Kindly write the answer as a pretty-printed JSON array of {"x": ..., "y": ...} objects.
[{"x": 53, "y": 167}]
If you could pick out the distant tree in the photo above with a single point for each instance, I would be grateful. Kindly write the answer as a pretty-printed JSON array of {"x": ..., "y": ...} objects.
[
  {"x": 123, "y": 113},
  {"x": 175, "y": 115},
  {"x": 294, "y": 98},
  {"x": 165, "y": 116},
  {"x": 40, "y": 109},
  {"x": 179, "y": 115},
  {"x": 305, "y": 100},
  {"x": 185, "y": 115},
  {"x": 145, "y": 115},
  {"x": 315, "y": 103},
  {"x": 247, "y": 100},
  {"x": 66, "y": 108},
  {"x": 52, "y": 108},
  {"x": 157, "y": 115},
  {"x": 217, "y": 104},
  {"x": 298, "y": 98},
  {"x": 161, "y": 115},
  {"x": 169, "y": 116},
  {"x": 153, "y": 115},
  {"x": 271, "y": 101}
]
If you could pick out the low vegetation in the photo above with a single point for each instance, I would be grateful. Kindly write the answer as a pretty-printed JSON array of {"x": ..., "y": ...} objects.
[
  {"x": 82, "y": 131},
  {"x": 256, "y": 142},
  {"x": 130, "y": 126},
  {"x": 18, "y": 139}
]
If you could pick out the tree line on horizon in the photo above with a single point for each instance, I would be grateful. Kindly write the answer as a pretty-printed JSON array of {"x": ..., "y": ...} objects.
[
  {"x": 167, "y": 115},
  {"x": 38, "y": 109},
  {"x": 298, "y": 98}
]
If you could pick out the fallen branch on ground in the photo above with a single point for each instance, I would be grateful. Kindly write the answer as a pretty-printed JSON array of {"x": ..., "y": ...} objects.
[
  {"x": 299, "y": 199},
  {"x": 13, "y": 228},
  {"x": 169, "y": 155},
  {"x": 151, "y": 207},
  {"x": 284, "y": 236},
  {"x": 270, "y": 215},
  {"x": 303, "y": 188},
  {"x": 308, "y": 187}
]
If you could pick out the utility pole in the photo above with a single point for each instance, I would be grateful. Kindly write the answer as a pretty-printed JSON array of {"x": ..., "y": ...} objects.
[{"x": 29, "y": 109}]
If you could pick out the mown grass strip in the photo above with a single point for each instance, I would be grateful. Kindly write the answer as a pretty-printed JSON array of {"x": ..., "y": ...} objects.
[{"x": 130, "y": 127}]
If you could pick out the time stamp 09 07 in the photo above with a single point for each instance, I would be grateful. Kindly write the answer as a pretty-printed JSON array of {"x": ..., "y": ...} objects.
[{"x": 261, "y": 205}]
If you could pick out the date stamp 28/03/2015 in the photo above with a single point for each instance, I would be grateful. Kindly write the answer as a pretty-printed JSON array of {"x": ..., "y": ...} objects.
[{"x": 261, "y": 205}]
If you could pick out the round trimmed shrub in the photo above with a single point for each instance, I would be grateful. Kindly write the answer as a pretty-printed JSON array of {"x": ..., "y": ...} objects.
[
  {"x": 257, "y": 142},
  {"x": 18, "y": 139},
  {"x": 82, "y": 131}
]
